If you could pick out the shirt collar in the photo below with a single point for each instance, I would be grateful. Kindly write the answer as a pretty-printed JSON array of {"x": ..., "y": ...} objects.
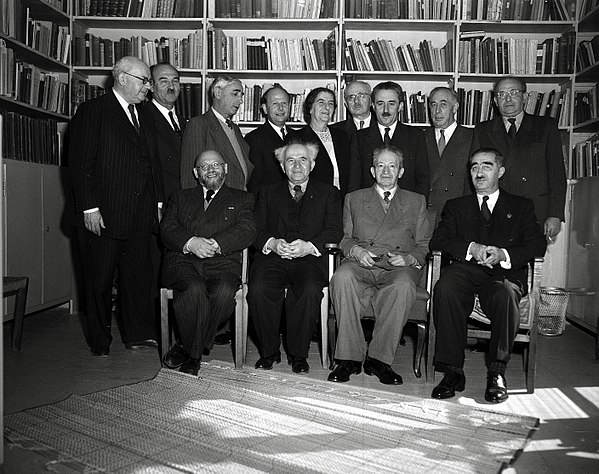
[
  {"x": 276, "y": 128},
  {"x": 366, "y": 122},
  {"x": 381, "y": 192},
  {"x": 163, "y": 110},
  {"x": 304, "y": 185},
  {"x": 122, "y": 101},
  {"x": 447, "y": 132},
  {"x": 518, "y": 118},
  {"x": 219, "y": 116},
  {"x": 491, "y": 202},
  {"x": 204, "y": 188},
  {"x": 391, "y": 127}
]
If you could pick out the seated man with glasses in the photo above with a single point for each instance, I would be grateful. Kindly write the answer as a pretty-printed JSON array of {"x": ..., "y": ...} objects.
[
  {"x": 531, "y": 145},
  {"x": 204, "y": 230}
]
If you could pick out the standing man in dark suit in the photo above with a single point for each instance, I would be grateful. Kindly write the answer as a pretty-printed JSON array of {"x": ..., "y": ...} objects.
[
  {"x": 204, "y": 229},
  {"x": 169, "y": 125},
  {"x": 492, "y": 235},
  {"x": 357, "y": 105},
  {"x": 269, "y": 136},
  {"x": 386, "y": 234},
  {"x": 448, "y": 147},
  {"x": 118, "y": 189},
  {"x": 295, "y": 219},
  {"x": 387, "y": 130},
  {"x": 214, "y": 130},
  {"x": 531, "y": 145}
]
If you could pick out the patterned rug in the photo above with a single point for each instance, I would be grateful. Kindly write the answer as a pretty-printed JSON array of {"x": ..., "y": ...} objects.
[{"x": 247, "y": 421}]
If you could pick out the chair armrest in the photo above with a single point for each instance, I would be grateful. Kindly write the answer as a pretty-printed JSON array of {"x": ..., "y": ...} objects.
[
  {"x": 334, "y": 255},
  {"x": 435, "y": 269}
]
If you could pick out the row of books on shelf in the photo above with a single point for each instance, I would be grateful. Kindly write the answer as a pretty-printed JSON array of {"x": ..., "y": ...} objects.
[
  {"x": 140, "y": 8},
  {"x": 517, "y": 55},
  {"x": 401, "y": 9},
  {"x": 477, "y": 105},
  {"x": 382, "y": 55},
  {"x": 588, "y": 53},
  {"x": 30, "y": 84},
  {"x": 30, "y": 139},
  {"x": 305, "y": 9},
  {"x": 273, "y": 54},
  {"x": 519, "y": 10},
  {"x": 82, "y": 91},
  {"x": 586, "y": 105},
  {"x": 92, "y": 50},
  {"x": 47, "y": 37},
  {"x": 585, "y": 158}
]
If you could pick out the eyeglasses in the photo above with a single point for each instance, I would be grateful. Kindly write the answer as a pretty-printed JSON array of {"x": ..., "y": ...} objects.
[
  {"x": 210, "y": 166},
  {"x": 359, "y": 95},
  {"x": 511, "y": 93},
  {"x": 144, "y": 80}
]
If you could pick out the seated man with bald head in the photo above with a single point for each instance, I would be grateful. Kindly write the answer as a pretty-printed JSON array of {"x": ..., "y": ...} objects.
[{"x": 204, "y": 230}]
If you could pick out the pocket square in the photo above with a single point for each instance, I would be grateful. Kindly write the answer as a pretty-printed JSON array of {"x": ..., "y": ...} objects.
[
  {"x": 509, "y": 216},
  {"x": 231, "y": 208}
]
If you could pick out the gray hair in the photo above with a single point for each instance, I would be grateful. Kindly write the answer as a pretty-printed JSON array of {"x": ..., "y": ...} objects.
[
  {"x": 390, "y": 148},
  {"x": 312, "y": 148}
]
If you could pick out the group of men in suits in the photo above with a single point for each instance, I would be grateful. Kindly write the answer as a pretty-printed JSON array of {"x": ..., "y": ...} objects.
[{"x": 129, "y": 159}]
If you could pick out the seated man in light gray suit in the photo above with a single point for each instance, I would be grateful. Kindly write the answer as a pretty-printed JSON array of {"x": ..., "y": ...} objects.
[{"x": 385, "y": 242}]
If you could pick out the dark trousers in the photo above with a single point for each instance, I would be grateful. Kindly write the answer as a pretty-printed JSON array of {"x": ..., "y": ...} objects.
[
  {"x": 203, "y": 298},
  {"x": 453, "y": 302},
  {"x": 102, "y": 255},
  {"x": 304, "y": 279}
]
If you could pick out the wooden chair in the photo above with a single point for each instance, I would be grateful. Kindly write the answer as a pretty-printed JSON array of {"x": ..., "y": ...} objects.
[
  {"x": 478, "y": 327},
  {"x": 419, "y": 315},
  {"x": 241, "y": 317},
  {"x": 16, "y": 286}
]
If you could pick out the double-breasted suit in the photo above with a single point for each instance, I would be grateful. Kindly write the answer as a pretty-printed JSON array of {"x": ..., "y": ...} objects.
[
  {"x": 116, "y": 170},
  {"x": 168, "y": 147},
  {"x": 534, "y": 165},
  {"x": 204, "y": 288},
  {"x": 348, "y": 126},
  {"x": 410, "y": 140},
  {"x": 384, "y": 291},
  {"x": 449, "y": 173},
  {"x": 263, "y": 141},
  {"x": 316, "y": 219},
  {"x": 514, "y": 227},
  {"x": 205, "y": 132}
]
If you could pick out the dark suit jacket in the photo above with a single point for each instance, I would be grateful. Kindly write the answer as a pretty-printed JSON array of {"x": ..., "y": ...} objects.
[
  {"x": 323, "y": 169},
  {"x": 109, "y": 160},
  {"x": 348, "y": 126},
  {"x": 319, "y": 220},
  {"x": 514, "y": 227},
  {"x": 205, "y": 132},
  {"x": 263, "y": 141},
  {"x": 410, "y": 140},
  {"x": 405, "y": 228},
  {"x": 534, "y": 164},
  {"x": 168, "y": 147},
  {"x": 449, "y": 174},
  {"x": 229, "y": 220}
]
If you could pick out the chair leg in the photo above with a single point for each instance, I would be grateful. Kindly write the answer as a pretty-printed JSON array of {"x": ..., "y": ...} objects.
[
  {"x": 419, "y": 348},
  {"x": 240, "y": 329},
  {"x": 324, "y": 336},
  {"x": 19, "y": 317},
  {"x": 164, "y": 326},
  {"x": 332, "y": 330}
]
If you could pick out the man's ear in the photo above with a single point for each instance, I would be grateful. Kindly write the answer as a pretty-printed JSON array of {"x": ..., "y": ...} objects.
[
  {"x": 226, "y": 168},
  {"x": 372, "y": 172},
  {"x": 501, "y": 171},
  {"x": 195, "y": 173},
  {"x": 400, "y": 174},
  {"x": 312, "y": 164}
]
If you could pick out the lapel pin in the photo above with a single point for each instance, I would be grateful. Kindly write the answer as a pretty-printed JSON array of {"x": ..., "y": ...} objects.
[{"x": 509, "y": 216}]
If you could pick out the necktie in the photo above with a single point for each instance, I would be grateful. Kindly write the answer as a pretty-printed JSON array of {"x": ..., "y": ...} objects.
[
  {"x": 283, "y": 133},
  {"x": 229, "y": 123},
  {"x": 209, "y": 195},
  {"x": 484, "y": 209},
  {"x": 387, "y": 138},
  {"x": 511, "y": 133},
  {"x": 298, "y": 193},
  {"x": 131, "y": 108},
  {"x": 174, "y": 124},
  {"x": 386, "y": 198},
  {"x": 361, "y": 124},
  {"x": 441, "y": 143}
]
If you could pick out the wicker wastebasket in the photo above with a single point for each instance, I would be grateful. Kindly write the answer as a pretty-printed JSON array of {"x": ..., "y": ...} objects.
[{"x": 552, "y": 311}]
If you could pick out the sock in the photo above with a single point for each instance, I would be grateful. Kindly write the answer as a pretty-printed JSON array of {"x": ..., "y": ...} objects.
[{"x": 498, "y": 366}]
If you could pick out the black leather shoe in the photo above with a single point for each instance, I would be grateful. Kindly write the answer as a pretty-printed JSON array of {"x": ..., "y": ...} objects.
[
  {"x": 265, "y": 363},
  {"x": 190, "y": 366},
  {"x": 145, "y": 344},
  {"x": 99, "y": 352},
  {"x": 299, "y": 365},
  {"x": 344, "y": 369},
  {"x": 223, "y": 339},
  {"x": 175, "y": 357},
  {"x": 452, "y": 382},
  {"x": 383, "y": 371},
  {"x": 496, "y": 388}
]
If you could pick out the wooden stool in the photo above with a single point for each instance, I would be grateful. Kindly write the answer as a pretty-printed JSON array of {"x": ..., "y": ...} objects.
[{"x": 17, "y": 286}]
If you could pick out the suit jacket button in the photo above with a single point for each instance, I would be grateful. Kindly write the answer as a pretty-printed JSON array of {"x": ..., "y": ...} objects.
[
  {"x": 446, "y": 189},
  {"x": 524, "y": 178},
  {"x": 450, "y": 174},
  {"x": 431, "y": 190}
]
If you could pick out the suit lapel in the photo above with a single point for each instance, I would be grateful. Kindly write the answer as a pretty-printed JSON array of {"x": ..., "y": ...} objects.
[
  {"x": 164, "y": 128},
  {"x": 216, "y": 205},
  {"x": 372, "y": 207},
  {"x": 219, "y": 136},
  {"x": 435, "y": 161},
  {"x": 120, "y": 118}
]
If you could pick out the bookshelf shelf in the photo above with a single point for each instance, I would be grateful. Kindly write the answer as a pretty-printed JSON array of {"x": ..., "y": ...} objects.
[
  {"x": 273, "y": 24},
  {"x": 376, "y": 25},
  {"x": 125, "y": 23},
  {"x": 590, "y": 21},
  {"x": 533, "y": 27},
  {"x": 589, "y": 126},
  {"x": 14, "y": 105},
  {"x": 529, "y": 78},
  {"x": 590, "y": 74},
  {"x": 269, "y": 74},
  {"x": 49, "y": 12},
  {"x": 31, "y": 55},
  {"x": 408, "y": 75}
]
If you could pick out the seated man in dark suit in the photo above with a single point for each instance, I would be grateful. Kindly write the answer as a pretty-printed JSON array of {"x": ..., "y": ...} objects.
[
  {"x": 295, "y": 219},
  {"x": 492, "y": 235},
  {"x": 387, "y": 231},
  {"x": 204, "y": 230}
]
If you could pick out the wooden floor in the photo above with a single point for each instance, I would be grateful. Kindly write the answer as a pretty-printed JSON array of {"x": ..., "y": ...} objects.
[{"x": 55, "y": 362}]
